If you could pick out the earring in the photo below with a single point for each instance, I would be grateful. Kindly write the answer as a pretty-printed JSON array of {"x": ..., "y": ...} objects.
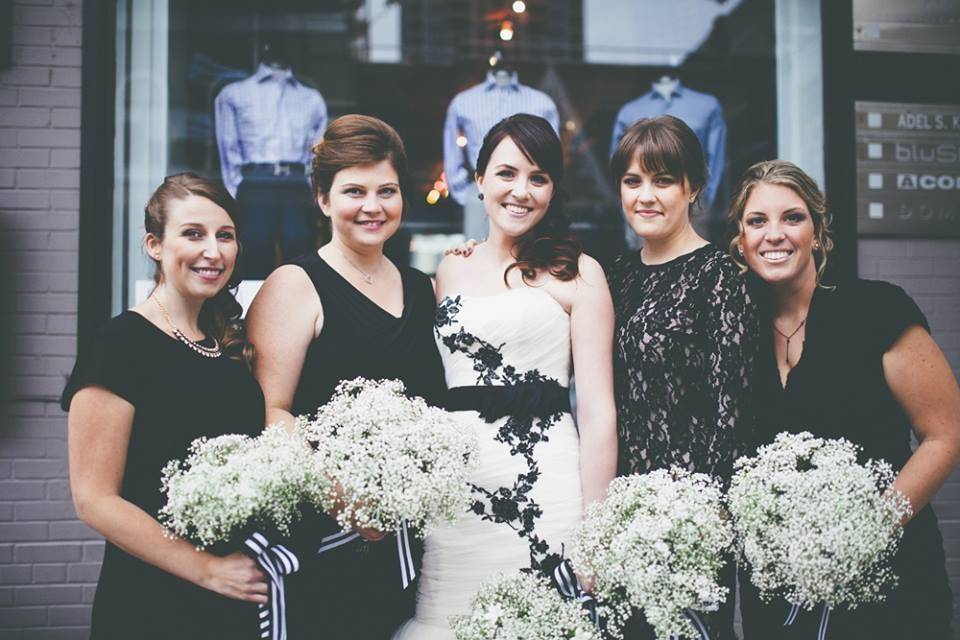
[
  {"x": 740, "y": 248},
  {"x": 816, "y": 246},
  {"x": 479, "y": 196}
]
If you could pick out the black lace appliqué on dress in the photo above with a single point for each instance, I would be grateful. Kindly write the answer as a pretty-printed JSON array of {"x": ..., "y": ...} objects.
[{"x": 521, "y": 431}]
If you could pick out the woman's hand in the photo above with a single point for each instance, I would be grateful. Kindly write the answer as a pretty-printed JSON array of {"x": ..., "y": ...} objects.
[
  {"x": 465, "y": 250},
  {"x": 367, "y": 533},
  {"x": 236, "y": 576},
  {"x": 586, "y": 582},
  {"x": 370, "y": 535}
]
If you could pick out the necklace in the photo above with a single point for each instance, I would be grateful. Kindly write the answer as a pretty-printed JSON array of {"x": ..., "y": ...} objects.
[
  {"x": 207, "y": 352},
  {"x": 367, "y": 277},
  {"x": 786, "y": 357}
]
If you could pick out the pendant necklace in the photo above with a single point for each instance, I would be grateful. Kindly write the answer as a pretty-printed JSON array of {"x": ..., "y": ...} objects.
[
  {"x": 786, "y": 357},
  {"x": 367, "y": 277},
  {"x": 207, "y": 352}
]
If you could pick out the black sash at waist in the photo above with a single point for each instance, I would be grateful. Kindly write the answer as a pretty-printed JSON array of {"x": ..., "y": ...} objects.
[{"x": 538, "y": 399}]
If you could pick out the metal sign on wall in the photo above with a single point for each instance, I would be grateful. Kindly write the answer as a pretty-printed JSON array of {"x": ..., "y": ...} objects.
[
  {"x": 907, "y": 26},
  {"x": 908, "y": 169}
]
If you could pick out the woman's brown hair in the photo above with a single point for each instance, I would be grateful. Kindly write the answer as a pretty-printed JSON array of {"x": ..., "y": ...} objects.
[
  {"x": 220, "y": 315},
  {"x": 548, "y": 246},
  {"x": 354, "y": 140},
  {"x": 784, "y": 174},
  {"x": 664, "y": 144}
]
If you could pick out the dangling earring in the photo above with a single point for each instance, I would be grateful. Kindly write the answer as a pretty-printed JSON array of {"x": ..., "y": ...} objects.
[
  {"x": 816, "y": 246},
  {"x": 479, "y": 196},
  {"x": 740, "y": 248}
]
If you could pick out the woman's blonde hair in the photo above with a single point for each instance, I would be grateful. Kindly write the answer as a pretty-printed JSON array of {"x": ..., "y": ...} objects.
[{"x": 783, "y": 174}]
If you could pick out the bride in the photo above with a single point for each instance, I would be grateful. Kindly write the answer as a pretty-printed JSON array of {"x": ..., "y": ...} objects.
[{"x": 510, "y": 318}]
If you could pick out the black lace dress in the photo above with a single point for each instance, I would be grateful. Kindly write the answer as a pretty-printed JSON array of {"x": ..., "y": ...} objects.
[{"x": 684, "y": 344}]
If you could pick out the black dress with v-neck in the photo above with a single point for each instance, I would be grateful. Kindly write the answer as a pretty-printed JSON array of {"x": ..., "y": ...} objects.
[
  {"x": 355, "y": 591},
  {"x": 837, "y": 390}
]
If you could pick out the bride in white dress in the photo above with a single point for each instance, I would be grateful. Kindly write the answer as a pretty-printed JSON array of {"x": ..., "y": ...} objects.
[{"x": 512, "y": 318}]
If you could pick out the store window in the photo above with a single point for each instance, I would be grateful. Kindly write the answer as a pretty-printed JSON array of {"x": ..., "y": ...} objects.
[{"x": 241, "y": 90}]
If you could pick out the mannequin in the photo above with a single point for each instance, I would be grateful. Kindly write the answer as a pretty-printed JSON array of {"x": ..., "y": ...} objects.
[
  {"x": 666, "y": 85},
  {"x": 471, "y": 114},
  {"x": 266, "y": 125},
  {"x": 701, "y": 111}
]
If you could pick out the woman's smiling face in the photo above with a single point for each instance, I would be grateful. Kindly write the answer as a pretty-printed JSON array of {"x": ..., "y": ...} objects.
[
  {"x": 777, "y": 235},
  {"x": 516, "y": 191}
]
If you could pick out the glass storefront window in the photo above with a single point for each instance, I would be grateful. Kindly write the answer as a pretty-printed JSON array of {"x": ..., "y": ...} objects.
[{"x": 197, "y": 89}]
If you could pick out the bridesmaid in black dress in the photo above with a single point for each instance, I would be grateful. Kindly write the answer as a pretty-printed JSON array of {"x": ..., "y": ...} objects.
[
  {"x": 343, "y": 312},
  {"x": 853, "y": 361},
  {"x": 161, "y": 374},
  {"x": 685, "y": 327}
]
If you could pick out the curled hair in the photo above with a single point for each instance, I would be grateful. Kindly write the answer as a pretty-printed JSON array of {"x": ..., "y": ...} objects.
[
  {"x": 219, "y": 315},
  {"x": 549, "y": 245},
  {"x": 354, "y": 140},
  {"x": 664, "y": 144},
  {"x": 784, "y": 174}
]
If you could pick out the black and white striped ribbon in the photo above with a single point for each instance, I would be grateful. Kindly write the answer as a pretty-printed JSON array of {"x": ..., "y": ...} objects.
[
  {"x": 277, "y": 561},
  {"x": 824, "y": 620},
  {"x": 408, "y": 571},
  {"x": 569, "y": 587},
  {"x": 698, "y": 623}
]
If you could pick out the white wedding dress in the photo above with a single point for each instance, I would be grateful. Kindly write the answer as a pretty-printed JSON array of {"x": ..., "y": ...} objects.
[{"x": 527, "y": 500}]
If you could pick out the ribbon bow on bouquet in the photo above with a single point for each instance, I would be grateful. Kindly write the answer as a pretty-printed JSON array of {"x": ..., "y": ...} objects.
[{"x": 280, "y": 556}]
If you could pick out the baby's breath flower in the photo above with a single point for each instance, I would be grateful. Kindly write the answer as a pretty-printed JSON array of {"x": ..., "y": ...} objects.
[
  {"x": 522, "y": 606},
  {"x": 395, "y": 459},
  {"x": 234, "y": 481},
  {"x": 657, "y": 543},
  {"x": 814, "y": 525}
]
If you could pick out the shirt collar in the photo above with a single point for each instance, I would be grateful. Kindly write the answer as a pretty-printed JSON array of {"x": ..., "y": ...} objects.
[
  {"x": 677, "y": 91},
  {"x": 491, "y": 81},
  {"x": 266, "y": 72}
]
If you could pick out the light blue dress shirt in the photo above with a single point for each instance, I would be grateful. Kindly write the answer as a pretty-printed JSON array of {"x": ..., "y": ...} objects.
[
  {"x": 702, "y": 113},
  {"x": 266, "y": 118},
  {"x": 474, "y": 111}
]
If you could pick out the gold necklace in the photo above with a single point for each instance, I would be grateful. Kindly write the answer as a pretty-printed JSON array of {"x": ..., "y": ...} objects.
[
  {"x": 368, "y": 278},
  {"x": 786, "y": 357},
  {"x": 207, "y": 352}
]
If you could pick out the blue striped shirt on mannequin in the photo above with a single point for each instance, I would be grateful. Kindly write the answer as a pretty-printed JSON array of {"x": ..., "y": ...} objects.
[
  {"x": 266, "y": 118},
  {"x": 702, "y": 113},
  {"x": 474, "y": 111}
]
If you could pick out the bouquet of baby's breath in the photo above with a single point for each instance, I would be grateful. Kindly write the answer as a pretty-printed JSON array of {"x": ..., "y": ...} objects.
[
  {"x": 814, "y": 525},
  {"x": 522, "y": 606},
  {"x": 233, "y": 482},
  {"x": 657, "y": 543},
  {"x": 394, "y": 458}
]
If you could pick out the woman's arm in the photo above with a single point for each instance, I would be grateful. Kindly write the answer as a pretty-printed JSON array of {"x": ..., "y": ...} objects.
[
  {"x": 284, "y": 318},
  {"x": 591, "y": 335},
  {"x": 923, "y": 384},
  {"x": 98, "y": 431}
]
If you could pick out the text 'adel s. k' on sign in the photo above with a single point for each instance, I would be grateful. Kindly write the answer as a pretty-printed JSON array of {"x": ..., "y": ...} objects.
[{"x": 908, "y": 169}]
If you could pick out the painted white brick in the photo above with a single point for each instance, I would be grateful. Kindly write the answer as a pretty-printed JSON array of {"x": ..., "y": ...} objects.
[
  {"x": 26, "y": 76},
  {"x": 65, "y": 117}
]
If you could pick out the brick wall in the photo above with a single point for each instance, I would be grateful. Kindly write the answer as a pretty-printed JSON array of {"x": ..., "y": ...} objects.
[
  {"x": 49, "y": 561},
  {"x": 929, "y": 270}
]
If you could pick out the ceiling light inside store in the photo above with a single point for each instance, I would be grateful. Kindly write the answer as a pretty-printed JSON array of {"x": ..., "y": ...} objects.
[
  {"x": 506, "y": 30},
  {"x": 519, "y": 6}
]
